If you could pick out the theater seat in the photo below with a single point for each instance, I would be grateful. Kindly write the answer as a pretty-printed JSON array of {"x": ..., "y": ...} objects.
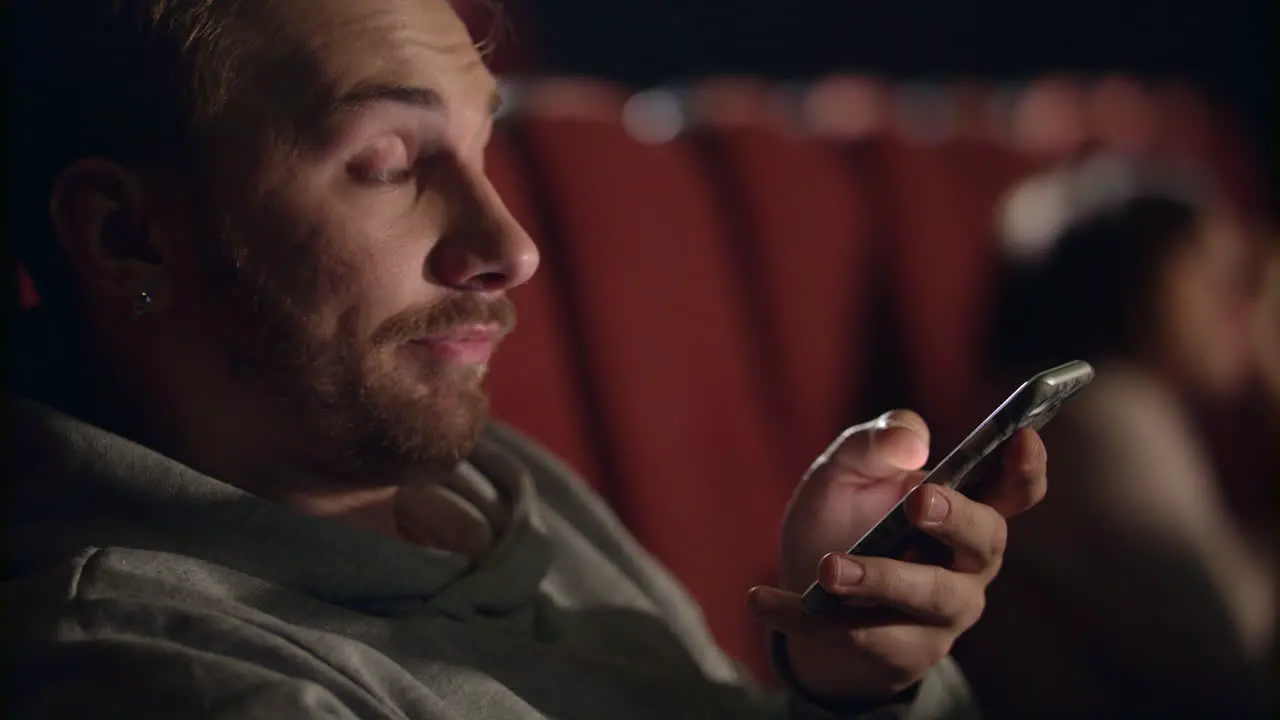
[
  {"x": 977, "y": 110},
  {"x": 940, "y": 261},
  {"x": 1212, "y": 138},
  {"x": 27, "y": 295},
  {"x": 1123, "y": 116},
  {"x": 535, "y": 381},
  {"x": 693, "y": 456},
  {"x": 801, "y": 233},
  {"x": 1049, "y": 120},
  {"x": 847, "y": 107}
]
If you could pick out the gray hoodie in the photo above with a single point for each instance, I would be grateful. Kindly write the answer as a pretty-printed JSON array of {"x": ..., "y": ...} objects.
[{"x": 140, "y": 588}]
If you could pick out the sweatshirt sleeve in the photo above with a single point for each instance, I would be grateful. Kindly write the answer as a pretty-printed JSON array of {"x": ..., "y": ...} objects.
[{"x": 126, "y": 677}]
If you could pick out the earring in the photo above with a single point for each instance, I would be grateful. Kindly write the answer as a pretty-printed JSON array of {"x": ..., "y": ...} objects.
[{"x": 142, "y": 304}]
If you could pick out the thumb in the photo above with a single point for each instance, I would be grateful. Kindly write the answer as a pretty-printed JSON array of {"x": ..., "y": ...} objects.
[
  {"x": 885, "y": 447},
  {"x": 851, "y": 486}
]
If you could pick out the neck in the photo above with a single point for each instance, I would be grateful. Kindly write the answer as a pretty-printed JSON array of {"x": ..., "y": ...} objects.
[
  {"x": 342, "y": 497},
  {"x": 213, "y": 428},
  {"x": 370, "y": 508},
  {"x": 234, "y": 436}
]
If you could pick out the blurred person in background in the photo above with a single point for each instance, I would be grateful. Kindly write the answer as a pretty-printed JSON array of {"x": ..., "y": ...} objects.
[
  {"x": 1133, "y": 592},
  {"x": 1268, "y": 324}
]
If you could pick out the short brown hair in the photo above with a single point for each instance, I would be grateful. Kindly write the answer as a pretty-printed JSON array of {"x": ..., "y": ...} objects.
[{"x": 146, "y": 83}]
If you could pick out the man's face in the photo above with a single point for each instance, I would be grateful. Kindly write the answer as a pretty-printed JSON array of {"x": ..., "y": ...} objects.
[{"x": 357, "y": 270}]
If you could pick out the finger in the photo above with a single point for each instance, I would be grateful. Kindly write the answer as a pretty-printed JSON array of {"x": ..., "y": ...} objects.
[
  {"x": 1023, "y": 479},
  {"x": 976, "y": 533},
  {"x": 783, "y": 611},
  {"x": 831, "y": 512},
  {"x": 929, "y": 593},
  {"x": 890, "y": 444},
  {"x": 900, "y": 644}
]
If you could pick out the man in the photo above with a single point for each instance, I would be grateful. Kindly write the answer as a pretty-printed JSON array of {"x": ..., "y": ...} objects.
[{"x": 268, "y": 489}]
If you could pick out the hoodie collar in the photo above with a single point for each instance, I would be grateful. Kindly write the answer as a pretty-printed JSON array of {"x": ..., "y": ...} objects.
[{"x": 77, "y": 486}]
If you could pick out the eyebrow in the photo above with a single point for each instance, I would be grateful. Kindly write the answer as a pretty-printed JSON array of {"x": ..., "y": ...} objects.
[{"x": 419, "y": 97}]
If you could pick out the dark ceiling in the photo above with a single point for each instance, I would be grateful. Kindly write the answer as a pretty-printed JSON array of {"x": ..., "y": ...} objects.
[{"x": 1225, "y": 45}]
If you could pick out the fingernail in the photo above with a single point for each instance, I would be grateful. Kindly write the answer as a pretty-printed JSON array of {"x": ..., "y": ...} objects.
[
  {"x": 891, "y": 424},
  {"x": 761, "y": 597},
  {"x": 936, "y": 506},
  {"x": 845, "y": 571},
  {"x": 915, "y": 432}
]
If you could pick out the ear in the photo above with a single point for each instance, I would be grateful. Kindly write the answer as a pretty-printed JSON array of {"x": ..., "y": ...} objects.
[{"x": 104, "y": 219}]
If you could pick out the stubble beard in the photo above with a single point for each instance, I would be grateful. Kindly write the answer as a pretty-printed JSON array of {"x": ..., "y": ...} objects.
[{"x": 373, "y": 414}]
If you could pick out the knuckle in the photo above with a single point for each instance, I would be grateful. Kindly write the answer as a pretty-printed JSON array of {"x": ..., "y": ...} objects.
[
  {"x": 994, "y": 566},
  {"x": 897, "y": 582},
  {"x": 900, "y": 653},
  {"x": 977, "y": 607},
  {"x": 902, "y": 670},
  {"x": 999, "y": 539},
  {"x": 914, "y": 655},
  {"x": 878, "y": 577},
  {"x": 943, "y": 594},
  {"x": 860, "y": 636},
  {"x": 965, "y": 518},
  {"x": 936, "y": 651},
  {"x": 980, "y": 527},
  {"x": 891, "y": 580},
  {"x": 1040, "y": 488},
  {"x": 973, "y": 609}
]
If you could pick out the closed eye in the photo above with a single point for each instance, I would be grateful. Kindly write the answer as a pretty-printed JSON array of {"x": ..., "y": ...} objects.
[
  {"x": 387, "y": 160},
  {"x": 391, "y": 170},
  {"x": 387, "y": 176}
]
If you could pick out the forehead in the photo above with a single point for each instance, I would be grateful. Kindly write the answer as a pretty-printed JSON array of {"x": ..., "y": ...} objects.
[{"x": 414, "y": 43}]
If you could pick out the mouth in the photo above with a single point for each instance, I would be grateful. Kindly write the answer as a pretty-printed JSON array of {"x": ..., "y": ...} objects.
[{"x": 465, "y": 345}]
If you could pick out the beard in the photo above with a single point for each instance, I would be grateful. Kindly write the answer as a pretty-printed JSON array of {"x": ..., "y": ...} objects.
[{"x": 372, "y": 411}]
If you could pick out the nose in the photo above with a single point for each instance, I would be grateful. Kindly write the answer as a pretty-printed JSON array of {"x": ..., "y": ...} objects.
[{"x": 483, "y": 248}]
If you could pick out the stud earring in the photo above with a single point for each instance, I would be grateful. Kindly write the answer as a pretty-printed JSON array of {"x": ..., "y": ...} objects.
[{"x": 142, "y": 304}]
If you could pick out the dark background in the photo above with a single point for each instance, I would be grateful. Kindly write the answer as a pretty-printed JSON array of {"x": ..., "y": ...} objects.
[{"x": 1222, "y": 45}]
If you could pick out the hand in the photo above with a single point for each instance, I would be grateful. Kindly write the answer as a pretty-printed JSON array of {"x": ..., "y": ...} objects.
[{"x": 900, "y": 618}]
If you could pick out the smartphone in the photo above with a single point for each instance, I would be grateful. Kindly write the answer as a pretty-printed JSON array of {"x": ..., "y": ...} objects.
[{"x": 976, "y": 459}]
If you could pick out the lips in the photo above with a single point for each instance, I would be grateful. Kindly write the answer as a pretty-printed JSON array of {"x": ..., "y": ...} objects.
[{"x": 472, "y": 344}]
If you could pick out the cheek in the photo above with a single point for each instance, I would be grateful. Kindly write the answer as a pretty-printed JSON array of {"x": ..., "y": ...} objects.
[
  {"x": 1210, "y": 330},
  {"x": 387, "y": 278},
  {"x": 360, "y": 254},
  {"x": 388, "y": 241},
  {"x": 1183, "y": 314},
  {"x": 372, "y": 274}
]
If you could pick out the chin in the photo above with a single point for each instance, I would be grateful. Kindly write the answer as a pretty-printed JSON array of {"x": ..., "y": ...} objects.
[
  {"x": 390, "y": 419},
  {"x": 438, "y": 427}
]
